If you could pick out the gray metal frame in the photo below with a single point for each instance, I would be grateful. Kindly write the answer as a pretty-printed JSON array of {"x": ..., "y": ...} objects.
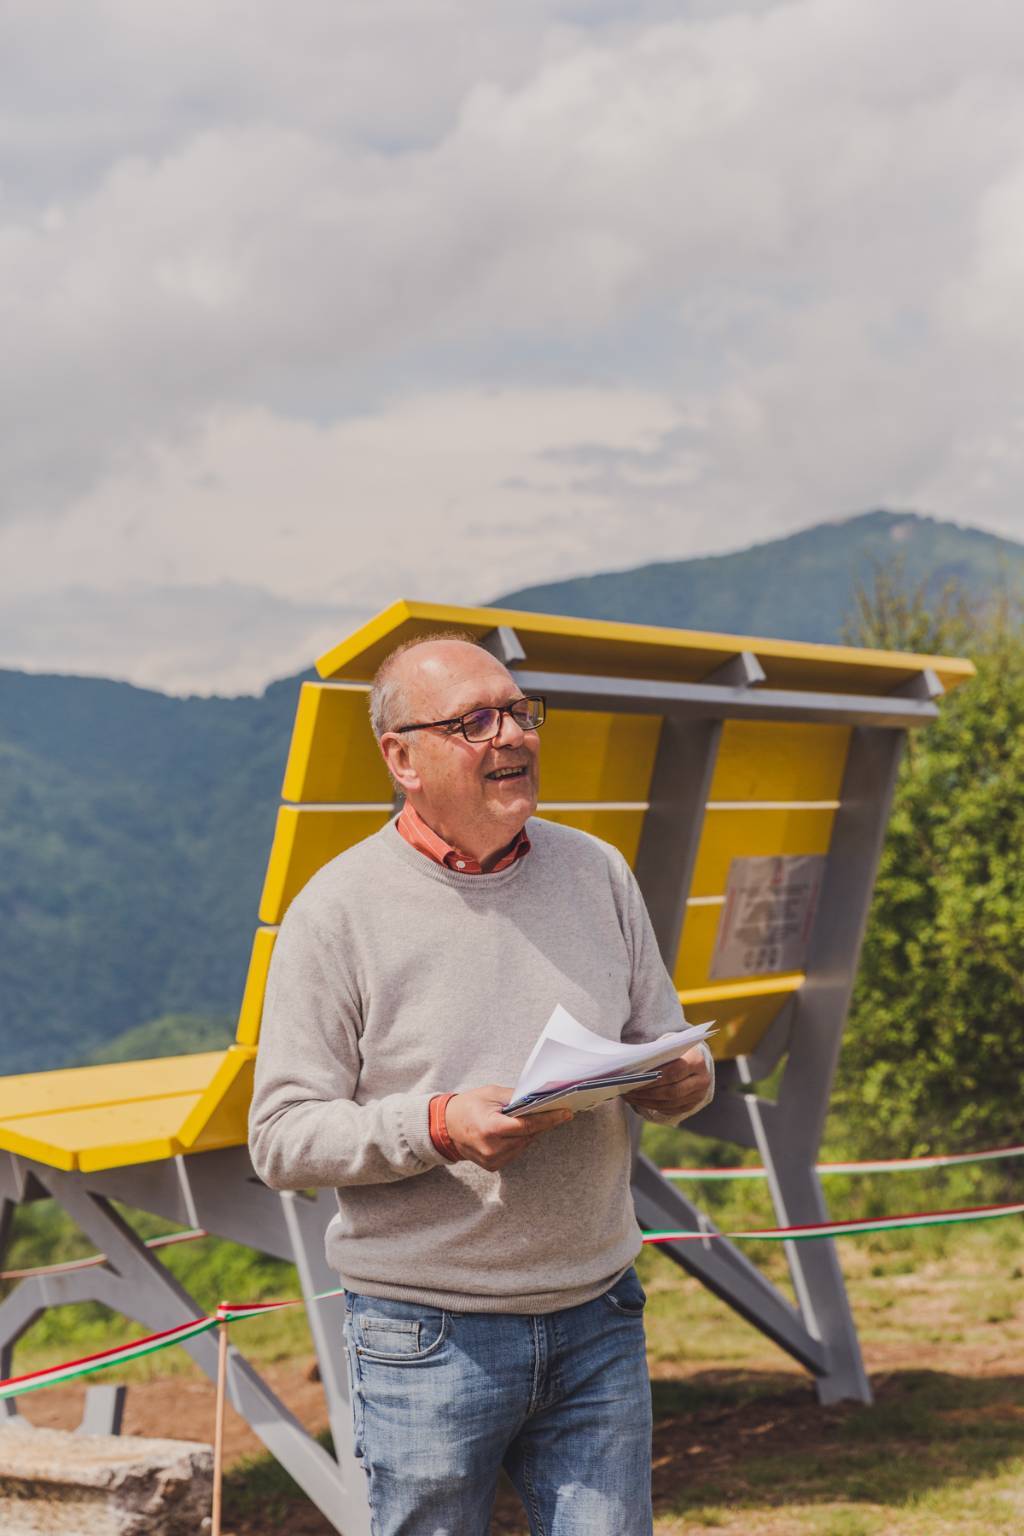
[
  {"x": 698, "y": 701},
  {"x": 219, "y": 1192},
  {"x": 819, "y": 1331}
]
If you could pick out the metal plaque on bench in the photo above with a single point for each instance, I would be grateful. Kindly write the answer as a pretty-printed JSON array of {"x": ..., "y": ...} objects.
[{"x": 768, "y": 915}]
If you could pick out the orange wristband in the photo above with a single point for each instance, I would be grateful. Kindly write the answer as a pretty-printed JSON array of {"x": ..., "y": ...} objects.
[{"x": 439, "y": 1129}]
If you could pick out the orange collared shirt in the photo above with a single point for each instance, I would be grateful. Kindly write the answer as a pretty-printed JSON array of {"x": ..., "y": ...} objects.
[{"x": 425, "y": 840}]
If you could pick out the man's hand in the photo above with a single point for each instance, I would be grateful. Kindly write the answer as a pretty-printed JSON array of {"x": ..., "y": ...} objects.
[
  {"x": 682, "y": 1086},
  {"x": 483, "y": 1135}
]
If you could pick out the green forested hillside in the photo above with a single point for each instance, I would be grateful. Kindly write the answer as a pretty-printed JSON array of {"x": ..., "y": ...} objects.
[
  {"x": 134, "y": 828},
  {"x": 173, "y": 1034},
  {"x": 798, "y": 588},
  {"x": 134, "y": 831}
]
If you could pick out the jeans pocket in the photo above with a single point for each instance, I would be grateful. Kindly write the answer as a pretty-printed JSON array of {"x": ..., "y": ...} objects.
[
  {"x": 396, "y": 1332},
  {"x": 627, "y": 1296}
]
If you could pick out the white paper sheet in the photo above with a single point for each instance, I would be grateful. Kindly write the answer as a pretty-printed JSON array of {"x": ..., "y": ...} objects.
[{"x": 569, "y": 1056}]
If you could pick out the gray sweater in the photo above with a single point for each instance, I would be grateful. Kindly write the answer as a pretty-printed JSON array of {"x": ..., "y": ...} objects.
[{"x": 394, "y": 978}]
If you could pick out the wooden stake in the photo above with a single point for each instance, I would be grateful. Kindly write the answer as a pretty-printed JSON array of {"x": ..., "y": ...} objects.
[{"x": 218, "y": 1427}]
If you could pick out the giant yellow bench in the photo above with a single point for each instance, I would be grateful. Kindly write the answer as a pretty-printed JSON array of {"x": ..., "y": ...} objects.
[
  {"x": 774, "y": 790},
  {"x": 695, "y": 754}
]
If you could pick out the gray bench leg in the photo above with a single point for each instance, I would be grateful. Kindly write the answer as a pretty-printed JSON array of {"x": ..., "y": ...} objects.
[{"x": 104, "y": 1410}]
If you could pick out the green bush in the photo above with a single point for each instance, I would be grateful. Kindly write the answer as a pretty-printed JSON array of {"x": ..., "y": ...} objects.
[{"x": 933, "y": 1058}]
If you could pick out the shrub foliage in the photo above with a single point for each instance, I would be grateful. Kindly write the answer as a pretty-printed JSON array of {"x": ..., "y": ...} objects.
[{"x": 934, "y": 1051}]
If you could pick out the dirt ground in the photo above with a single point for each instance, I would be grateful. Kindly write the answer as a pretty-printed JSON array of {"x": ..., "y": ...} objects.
[
  {"x": 187, "y": 1404},
  {"x": 725, "y": 1417}
]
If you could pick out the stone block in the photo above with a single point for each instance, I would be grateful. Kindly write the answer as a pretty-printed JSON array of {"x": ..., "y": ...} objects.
[{"x": 58, "y": 1484}]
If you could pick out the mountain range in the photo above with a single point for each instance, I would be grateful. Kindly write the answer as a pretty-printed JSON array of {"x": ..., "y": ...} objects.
[
  {"x": 797, "y": 588},
  {"x": 134, "y": 827}
]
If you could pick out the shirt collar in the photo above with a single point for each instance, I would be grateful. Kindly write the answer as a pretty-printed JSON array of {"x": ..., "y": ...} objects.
[{"x": 426, "y": 841}]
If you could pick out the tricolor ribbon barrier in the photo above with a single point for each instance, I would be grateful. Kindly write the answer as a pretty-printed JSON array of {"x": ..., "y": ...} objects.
[
  {"x": 226, "y": 1312},
  {"x": 855, "y": 1228},
  {"x": 68, "y": 1266},
  {"x": 149, "y": 1344},
  {"x": 751, "y": 1171},
  {"x": 879, "y": 1165}
]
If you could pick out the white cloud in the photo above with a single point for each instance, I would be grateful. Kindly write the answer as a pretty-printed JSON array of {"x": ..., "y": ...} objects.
[
  {"x": 353, "y": 506},
  {"x": 448, "y": 297}
]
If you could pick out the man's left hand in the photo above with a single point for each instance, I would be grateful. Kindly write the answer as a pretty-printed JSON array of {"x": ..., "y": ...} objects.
[{"x": 683, "y": 1085}]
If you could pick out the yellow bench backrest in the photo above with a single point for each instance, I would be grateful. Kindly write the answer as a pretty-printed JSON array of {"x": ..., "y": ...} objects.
[
  {"x": 775, "y": 791},
  {"x": 775, "y": 788}
]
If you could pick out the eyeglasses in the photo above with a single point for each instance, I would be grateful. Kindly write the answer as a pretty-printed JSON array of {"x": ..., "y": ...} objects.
[{"x": 485, "y": 724}]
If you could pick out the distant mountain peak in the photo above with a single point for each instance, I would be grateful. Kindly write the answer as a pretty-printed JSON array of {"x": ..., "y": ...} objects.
[{"x": 800, "y": 586}]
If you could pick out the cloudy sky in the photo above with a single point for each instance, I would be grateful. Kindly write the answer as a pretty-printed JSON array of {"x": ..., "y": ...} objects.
[{"x": 305, "y": 308}]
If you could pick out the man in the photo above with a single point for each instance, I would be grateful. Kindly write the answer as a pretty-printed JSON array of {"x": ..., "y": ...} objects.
[{"x": 493, "y": 1316}]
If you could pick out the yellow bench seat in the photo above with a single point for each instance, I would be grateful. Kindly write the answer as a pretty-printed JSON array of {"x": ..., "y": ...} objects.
[{"x": 128, "y": 1112}]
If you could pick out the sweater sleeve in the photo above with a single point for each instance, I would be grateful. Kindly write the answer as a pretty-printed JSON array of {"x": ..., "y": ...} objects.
[
  {"x": 655, "y": 1006},
  {"x": 305, "y": 1128}
]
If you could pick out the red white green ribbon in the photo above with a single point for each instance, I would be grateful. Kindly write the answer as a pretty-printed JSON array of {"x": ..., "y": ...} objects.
[
  {"x": 228, "y": 1312},
  {"x": 135, "y": 1349},
  {"x": 54, "y": 1375},
  {"x": 852, "y": 1228},
  {"x": 710, "y": 1175},
  {"x": 93, "y": 1259},
  {"x": 879, "y": 1165}
]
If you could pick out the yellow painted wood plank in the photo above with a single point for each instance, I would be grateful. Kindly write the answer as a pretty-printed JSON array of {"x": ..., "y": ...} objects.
[
  {"x": 775, "y": 760},
  {"x": 554, "y": 642},
  {"x": 718, "y": 992},
  {"x": 747, "y": 834},
  {"x": 620, "y": 828},
  {"x": 591, "y": 755},
  {"x": 91, "y": 1136},
  {"x": 359, "y": 654},
  {"x": 303, "y": 842},
  {"x": 740, "y": 1023},
  {"x": 25, "y": 1145},
  {"x": 333, "y": 755},
  {"x": 219, "y": 1118},
  {"x": 251, "y": 1011},
  {"x": 102, "y": 1088},
  {"x": 110, "y": 1137}
]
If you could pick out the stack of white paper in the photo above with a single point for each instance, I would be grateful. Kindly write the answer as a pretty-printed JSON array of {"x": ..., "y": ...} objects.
[{"x": 570, "y": 1067}]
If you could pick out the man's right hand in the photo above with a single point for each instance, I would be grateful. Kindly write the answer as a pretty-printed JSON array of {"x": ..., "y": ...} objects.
[{"x": 483, "y": 1135}]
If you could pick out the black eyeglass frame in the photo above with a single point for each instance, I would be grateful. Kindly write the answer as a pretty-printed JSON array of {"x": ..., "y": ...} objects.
[{"x": 458, "y": 722}]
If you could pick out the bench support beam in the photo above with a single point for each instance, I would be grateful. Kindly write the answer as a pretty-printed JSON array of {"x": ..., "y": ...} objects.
[
  {"x": 787, "y": 1132},
  {"x": 135, "y": 1283}
]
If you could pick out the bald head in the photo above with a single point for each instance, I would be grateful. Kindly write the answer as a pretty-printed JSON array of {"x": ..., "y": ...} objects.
[{"x": 419, "y": 672}]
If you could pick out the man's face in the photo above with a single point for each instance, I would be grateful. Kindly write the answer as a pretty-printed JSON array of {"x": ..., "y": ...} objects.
[{"x": 476, "y": 795}]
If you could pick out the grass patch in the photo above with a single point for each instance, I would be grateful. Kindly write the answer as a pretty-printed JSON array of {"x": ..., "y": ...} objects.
[{"x": 258, "y": 1486}]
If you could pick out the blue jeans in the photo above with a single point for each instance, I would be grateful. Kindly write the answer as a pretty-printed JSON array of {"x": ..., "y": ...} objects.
[{"x": 442, "y": 1400}]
